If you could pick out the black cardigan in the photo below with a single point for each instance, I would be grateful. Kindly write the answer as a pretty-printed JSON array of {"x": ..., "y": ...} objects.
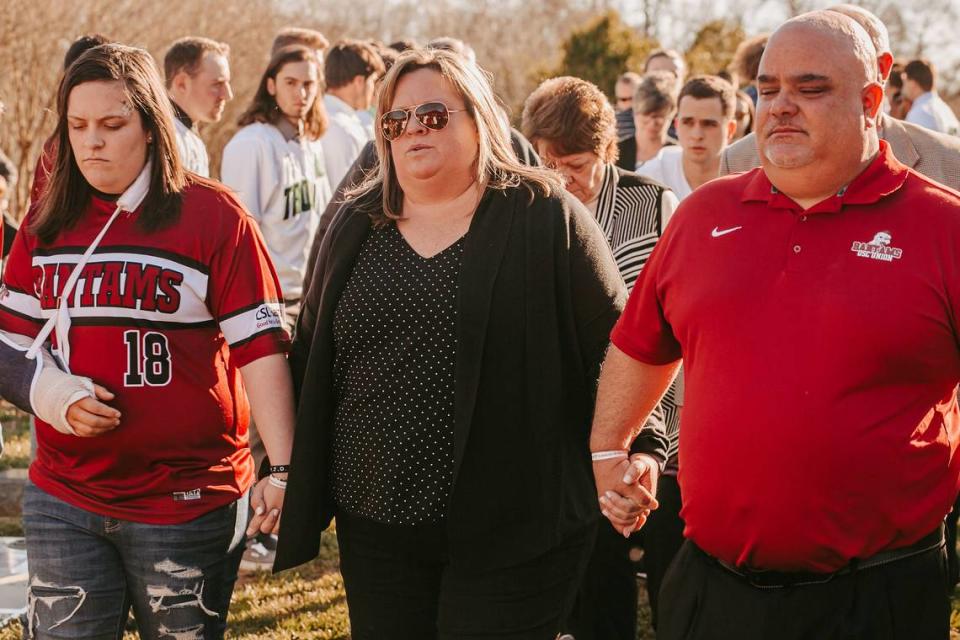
[{"x": 538, "y": 295}]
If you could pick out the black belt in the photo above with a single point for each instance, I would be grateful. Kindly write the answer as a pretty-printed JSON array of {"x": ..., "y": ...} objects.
[{"x": 779, "y": 579}]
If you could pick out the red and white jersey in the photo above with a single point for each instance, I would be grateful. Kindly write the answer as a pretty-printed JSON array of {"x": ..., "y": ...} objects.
[{"x": 163, "y": 320}]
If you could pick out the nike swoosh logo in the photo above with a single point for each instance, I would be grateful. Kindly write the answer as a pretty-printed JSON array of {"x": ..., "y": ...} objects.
[{"x": 716, "y": 233}]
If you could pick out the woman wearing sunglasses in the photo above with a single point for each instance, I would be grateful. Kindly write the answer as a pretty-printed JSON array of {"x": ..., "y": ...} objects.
[{"x": 446, "y": 357}]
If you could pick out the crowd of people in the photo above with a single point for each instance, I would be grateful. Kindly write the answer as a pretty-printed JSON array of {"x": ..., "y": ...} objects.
[{"x": 462, "y": 341}]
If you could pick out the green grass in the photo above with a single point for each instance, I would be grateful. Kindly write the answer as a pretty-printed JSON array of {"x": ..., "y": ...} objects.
[
  {"x": 16, "y": 436},
  {"x": 306, "y": 603}
]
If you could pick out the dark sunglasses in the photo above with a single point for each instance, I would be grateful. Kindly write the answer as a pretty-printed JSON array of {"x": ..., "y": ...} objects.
[{"x": 432, "y": 115}]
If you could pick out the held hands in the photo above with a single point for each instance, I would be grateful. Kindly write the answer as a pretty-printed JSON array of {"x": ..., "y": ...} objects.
[
  {"x": 626, "y": 489},
  {"x": 90, "y": 418},
  {"x": 266, "y": 499}
]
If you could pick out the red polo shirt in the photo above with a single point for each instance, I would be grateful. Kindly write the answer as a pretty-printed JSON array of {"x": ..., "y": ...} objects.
[{"x": 820, "y": 351}]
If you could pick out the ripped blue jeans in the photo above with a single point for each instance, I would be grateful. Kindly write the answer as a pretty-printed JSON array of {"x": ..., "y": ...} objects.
[{"x": 87, "y": 570}]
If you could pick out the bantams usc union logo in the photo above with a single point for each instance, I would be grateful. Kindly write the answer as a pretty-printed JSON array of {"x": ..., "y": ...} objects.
[{"x": 878, "y": 249}]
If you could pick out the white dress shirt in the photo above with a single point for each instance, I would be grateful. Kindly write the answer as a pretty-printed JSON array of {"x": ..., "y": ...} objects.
[
  {"x": 667, "y": 168},
  {"x": 344, "y": 139},
  {"x": 930, "y": 111}
]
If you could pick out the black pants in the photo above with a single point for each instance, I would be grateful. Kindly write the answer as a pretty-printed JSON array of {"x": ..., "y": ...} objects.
[
  {"x": 400, "y": 586},
  {"x": 953, "y": 563},
  {"x": 906, "y": 599},
  {"x": 606, "y": 606},
  {"x": 662, "y": 537}
]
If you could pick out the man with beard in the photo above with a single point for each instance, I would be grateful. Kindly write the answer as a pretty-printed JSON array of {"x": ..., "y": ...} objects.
[
  {"x": 935, "y": 155},
  {"x": 820, "y": 422}
]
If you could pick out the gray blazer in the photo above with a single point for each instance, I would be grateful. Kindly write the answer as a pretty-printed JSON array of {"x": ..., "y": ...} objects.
[{"x": 935, "y": 155}]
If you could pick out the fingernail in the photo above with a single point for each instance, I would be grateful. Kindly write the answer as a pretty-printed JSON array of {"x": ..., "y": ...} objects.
[
  {"x": 275, "y": 512},
  {"x": 603, "y": 499},
  {"x": 627, "y": 479},
  {"x": 610, "y": 494},
  {"x": 259, "y": 511},
  {"x": 605, "y": 514}
]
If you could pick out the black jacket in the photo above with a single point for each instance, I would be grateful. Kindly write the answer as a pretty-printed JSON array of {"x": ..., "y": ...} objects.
[{"x": 538, "y": 295}]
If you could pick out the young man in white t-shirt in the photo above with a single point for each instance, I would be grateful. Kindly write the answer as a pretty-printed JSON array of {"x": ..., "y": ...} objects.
[
  {"x": 276, "y": 165},
  {"x": 705, "y": 125},
  {"x": 198, "y": 83},
  {"x": 351, "y": 69}
]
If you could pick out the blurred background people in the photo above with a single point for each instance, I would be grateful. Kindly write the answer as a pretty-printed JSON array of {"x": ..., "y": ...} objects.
[
  {"x": 197, "y": 72},
  {"x": 275, "y": 163},
  {"x": 705, "y": 126},
  {"x": 624, "y": 91},
  {"x": 746, "y": 61},
  {"x": 898, "y": 104},
  {"x": 654, "y": 105},
  {"x": 309, "y": 38},
  {"x": 666, "y": 60},
  {"x": 927, "y": 108},
  {"x": 351, "y": 70},
  {"x": 8, "y": 184},
  {"x": 744, "y": 115}
]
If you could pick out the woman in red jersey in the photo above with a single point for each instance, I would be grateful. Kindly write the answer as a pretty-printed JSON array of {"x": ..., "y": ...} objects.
[{"x": 156, "y": 286}]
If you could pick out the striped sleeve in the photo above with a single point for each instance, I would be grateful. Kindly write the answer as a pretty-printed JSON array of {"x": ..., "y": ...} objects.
[
  {"x": 244, "y": 293},
  {"x": 19, "y": 304}
]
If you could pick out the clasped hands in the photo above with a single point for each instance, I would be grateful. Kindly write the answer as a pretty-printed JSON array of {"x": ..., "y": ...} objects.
[
  {"x": 627, "y": 489},
  {"x": 266, "y": 500}
]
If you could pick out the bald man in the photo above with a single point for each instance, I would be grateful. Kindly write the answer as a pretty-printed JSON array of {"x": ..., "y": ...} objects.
[
  {"x": 936, "y": 155},
  {"x": 817, "y": 323}
]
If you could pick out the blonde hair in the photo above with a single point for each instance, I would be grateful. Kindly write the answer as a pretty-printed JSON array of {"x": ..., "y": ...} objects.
[{"x": 497, "y": 165}]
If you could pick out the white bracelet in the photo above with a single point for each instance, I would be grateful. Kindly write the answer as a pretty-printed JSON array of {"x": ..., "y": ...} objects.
[
  {"x": 618, "y": 454},
  {"x": 278, "y": 483}
]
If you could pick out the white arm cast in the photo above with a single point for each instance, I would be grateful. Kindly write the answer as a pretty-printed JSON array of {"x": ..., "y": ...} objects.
[{"x": 53, "y": 390}]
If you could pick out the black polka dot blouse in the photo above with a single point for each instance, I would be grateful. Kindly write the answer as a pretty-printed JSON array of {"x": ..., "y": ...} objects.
[{"x": 395, "y": 348}]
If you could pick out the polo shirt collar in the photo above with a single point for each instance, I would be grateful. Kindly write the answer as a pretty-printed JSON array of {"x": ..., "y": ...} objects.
[
  {"x": 287, "y": 130},
  {"x": 883, "y": 176},
  {"x": 182, "y": 115}
]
